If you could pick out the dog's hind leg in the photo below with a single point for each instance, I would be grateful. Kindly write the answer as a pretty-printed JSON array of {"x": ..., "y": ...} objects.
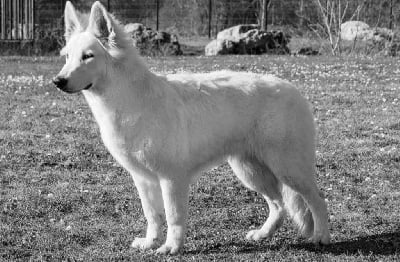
[
  {"x": 258, "y": 177},
  {"x": 175, "y": 192},
  {"x": 309, "y": 192},
  {"x": 152, "y": 203},
  {"x": 295, "y": 170}
]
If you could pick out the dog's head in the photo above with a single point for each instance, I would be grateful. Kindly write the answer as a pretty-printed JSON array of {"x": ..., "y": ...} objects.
[{"x": 88, "y": 48}]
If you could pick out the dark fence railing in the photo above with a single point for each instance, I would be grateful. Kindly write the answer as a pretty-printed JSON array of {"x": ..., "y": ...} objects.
[
  {"x": 24, "y": 19},
  {"x": 17, "y": 19}
]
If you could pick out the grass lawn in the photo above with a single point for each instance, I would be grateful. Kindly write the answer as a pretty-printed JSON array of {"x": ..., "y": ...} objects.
[{"x": 63, "y": 197}]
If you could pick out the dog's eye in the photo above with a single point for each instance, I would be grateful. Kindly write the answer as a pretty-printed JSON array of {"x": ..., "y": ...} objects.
[{"x": 87, "y": 56}]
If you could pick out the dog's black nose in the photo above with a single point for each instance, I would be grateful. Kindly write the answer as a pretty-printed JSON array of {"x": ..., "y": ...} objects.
[{"x": 60, "y": 82}]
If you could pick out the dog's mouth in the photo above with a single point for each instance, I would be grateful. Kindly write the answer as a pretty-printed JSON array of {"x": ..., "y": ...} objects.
[
  {"x": 88, "y": 86},
  {"x": 66, "y": 90}
]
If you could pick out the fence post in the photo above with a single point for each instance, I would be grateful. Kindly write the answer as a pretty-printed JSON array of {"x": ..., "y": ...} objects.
[
  {"x": 33, "y": 6},
  {"x": 209, "y": 17},
  {"x": 264, "y": 15},
  {"x": 301, "y": 13},
  {"x": 158, "y": 13},
  {"x": 3, "y": 19},
  {"x": 391, "y": 15}
]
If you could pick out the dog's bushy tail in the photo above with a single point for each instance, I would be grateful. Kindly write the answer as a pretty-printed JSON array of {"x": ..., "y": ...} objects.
[{"x": 298, "y": 210}]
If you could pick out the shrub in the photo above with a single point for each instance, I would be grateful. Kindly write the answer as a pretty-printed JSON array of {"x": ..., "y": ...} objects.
[{"x": 48, "y": 40}]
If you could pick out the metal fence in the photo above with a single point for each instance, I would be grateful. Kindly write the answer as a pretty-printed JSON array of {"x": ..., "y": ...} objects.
[
  {"x": 17, "y": 19},
  {"x": 21, "y": 19}
]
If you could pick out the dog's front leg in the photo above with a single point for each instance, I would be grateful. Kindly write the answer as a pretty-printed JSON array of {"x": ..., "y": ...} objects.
[
  {"x": 175, "y": 193},
  {"x": 153, "y": 207}
]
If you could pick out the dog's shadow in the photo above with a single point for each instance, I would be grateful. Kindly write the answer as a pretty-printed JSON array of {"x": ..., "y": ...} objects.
[{"x": 380, "y": 244}]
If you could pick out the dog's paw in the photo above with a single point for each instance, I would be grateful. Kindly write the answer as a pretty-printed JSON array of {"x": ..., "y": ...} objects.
[
  {"x": 255, "y": 235},
  {"x": 321, "y": 238},
  {"x": 144, "y": 243},
  {"x": 168, "y": 250}
]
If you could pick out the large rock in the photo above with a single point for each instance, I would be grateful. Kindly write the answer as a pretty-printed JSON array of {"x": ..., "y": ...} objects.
[
  {"x": 258, "y": 42},
  {"x": 218, "y": 47},
  {"x": 357, "y": 30},
  {"x": 133, "y": 28},
  {"x": 380, "y": 39},
  {"x": 235, "y": 33},
  {"x": 151, "y": 42},
  {"x": 354, "y": 29},
  {"x": 248, "y": 39},
  {"x": 380, "y": 34}
]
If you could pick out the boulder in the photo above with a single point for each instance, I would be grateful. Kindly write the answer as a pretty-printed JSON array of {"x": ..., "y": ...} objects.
[
  {"x": 380, "y": 34},
  {"x": 354, "y": 29},
  {"x": 357, "y": 30},
  {"x": 235, "y": 33},
  {"x": 248, "y": 39},
  {"x": 381, "y": 39},
  {"x": 218, "y": 47},
  {"x": 152, "y": 42},
  {"x": 134, "y": 27}
]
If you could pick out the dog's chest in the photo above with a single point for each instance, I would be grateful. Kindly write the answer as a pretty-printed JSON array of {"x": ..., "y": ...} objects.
[
  {"x": 127, "y": 139},
  {"x": 121, "y": 133}
]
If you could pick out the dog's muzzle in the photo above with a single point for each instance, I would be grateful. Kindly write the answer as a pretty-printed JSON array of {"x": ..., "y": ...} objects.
[{"x": 60, "y": 82}]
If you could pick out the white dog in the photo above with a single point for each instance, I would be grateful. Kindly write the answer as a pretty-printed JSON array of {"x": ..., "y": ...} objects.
[{"x": 165, "y": 130}]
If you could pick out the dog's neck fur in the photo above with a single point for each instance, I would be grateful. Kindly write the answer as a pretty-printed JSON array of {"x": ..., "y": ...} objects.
[{"x": 127, "y": 85}]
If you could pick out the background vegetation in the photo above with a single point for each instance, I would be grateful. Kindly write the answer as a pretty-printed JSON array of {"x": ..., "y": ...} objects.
[
  {"x": 191, "y": 16},
  {"x": 190, "y": 19}
]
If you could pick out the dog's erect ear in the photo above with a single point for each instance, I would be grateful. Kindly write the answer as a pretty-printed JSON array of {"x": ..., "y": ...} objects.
[
  {"x": 71, "y": 21},
  {"x": 101, "y": 23}
]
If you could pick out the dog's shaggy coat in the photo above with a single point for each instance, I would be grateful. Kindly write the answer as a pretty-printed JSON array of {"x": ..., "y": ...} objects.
[{"x": 166, "y": 129}]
